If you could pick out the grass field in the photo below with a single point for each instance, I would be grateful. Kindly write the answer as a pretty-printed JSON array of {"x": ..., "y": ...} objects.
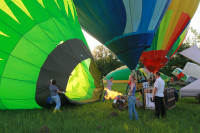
[{"x": 100, "y": 117}]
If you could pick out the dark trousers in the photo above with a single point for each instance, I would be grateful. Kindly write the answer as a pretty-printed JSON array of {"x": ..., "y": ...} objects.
[{"x": 159, "y": 107}]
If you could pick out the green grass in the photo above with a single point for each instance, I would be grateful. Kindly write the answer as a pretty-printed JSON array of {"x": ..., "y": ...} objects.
[{"x": 96, "y": 117}]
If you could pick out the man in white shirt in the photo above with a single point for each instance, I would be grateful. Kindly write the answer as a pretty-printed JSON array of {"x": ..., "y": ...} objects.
[{"x": 158, "y": 95}]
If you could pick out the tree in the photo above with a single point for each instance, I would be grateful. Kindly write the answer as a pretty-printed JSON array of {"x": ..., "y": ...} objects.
[
  {"x": 196, "y": 36},
  {"x": 177, "y": 61},
  {"x": 105, "y": 59}
]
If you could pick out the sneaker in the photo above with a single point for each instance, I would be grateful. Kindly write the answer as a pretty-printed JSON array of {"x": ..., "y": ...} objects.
[
  {"x": 59, "y": 110},
  {"x": 54, "y": 111}
]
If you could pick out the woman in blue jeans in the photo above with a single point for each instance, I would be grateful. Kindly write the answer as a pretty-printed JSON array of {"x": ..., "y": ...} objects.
[{"x": 132, "y": 98}]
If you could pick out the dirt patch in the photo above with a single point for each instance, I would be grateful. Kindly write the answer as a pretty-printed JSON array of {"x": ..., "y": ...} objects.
[
  {"x": 44, "y": 129},
  {"x": 98, "y": 127},
  {"x": 114, "y": 113}
]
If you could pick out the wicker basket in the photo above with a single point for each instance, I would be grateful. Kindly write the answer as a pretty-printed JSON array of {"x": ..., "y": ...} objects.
[{"x": 169, "y": 98}]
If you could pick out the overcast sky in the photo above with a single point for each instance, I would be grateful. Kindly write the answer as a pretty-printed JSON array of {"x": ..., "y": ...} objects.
[{"x": 195, "y": 23}]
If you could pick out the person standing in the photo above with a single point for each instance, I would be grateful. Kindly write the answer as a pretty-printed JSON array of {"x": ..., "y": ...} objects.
[
  {"x": 168, "y": 81},
  {"x": 154, "y": 79},
  {"x": 132, "y": 98},
  {"x": 151, "y": 81},
  {"x": 108, "y": 86},
  {"x": 54, "y": 95},
  {"x": 158, "y": 96},
  {"x": 109, "y": 83}
]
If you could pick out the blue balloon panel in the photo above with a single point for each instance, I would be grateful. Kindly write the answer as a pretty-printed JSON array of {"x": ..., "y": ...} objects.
[{"x": 122, "y": 25}]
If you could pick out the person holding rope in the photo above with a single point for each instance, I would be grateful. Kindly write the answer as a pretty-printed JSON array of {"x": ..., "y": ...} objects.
[{"x": 54, "y": 95}]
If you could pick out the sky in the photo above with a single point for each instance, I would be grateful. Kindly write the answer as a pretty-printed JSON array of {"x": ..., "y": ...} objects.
[{"x": 195, "y": 23}]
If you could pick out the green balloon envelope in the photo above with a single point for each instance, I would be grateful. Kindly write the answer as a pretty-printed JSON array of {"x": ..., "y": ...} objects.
[{"x": 42, "y": 40}]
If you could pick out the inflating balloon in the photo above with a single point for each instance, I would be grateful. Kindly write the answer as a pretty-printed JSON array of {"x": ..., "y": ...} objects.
[
  {"x": 126, "y": 27},
  {"x": 170, "y": 34},
  {"x": 42, "y": 40},
  {"x": 121, "y": 74}
]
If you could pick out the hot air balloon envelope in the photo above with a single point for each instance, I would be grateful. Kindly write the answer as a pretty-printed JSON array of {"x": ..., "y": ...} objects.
[
  {"x": 170, "y": 34},
  {"x": 42, "y": 40},
  {"x": 126, "y": 27}
]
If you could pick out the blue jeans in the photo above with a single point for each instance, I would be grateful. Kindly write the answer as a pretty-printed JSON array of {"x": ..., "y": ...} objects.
[
  {"x": 56, "y": 99},
  {"x": 131, "y": 107}
]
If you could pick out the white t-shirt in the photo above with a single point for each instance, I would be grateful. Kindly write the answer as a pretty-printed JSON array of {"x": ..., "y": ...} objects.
[{"x": 160, "y": 85}]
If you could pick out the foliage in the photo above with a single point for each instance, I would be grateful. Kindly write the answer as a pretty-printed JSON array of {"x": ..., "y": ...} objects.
[
  {"x": 105, "y": 59},
  {"x": 194, "y": 37},
  {"x": 176, "y": 61},
  {"x": 97, "y": 117}
]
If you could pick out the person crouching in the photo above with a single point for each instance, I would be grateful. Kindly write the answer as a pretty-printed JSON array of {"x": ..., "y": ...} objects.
[{"x": 54, "y": 95}]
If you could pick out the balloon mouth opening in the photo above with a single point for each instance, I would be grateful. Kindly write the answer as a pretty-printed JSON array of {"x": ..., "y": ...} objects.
[
  {"x": 82, "y": 80},
  {"x": 154, "y": 64},
  {"x": 60, "y": 65},
  {"x": 154, "y": 60}
]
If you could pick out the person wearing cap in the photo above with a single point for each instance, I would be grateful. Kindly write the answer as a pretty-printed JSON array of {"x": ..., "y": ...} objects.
[
  {"x": 54, "y": 95},
  {"x": 158, "y": 96}
]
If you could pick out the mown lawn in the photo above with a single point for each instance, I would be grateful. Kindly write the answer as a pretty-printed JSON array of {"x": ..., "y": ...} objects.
[{"x": 100, "y": 117}]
